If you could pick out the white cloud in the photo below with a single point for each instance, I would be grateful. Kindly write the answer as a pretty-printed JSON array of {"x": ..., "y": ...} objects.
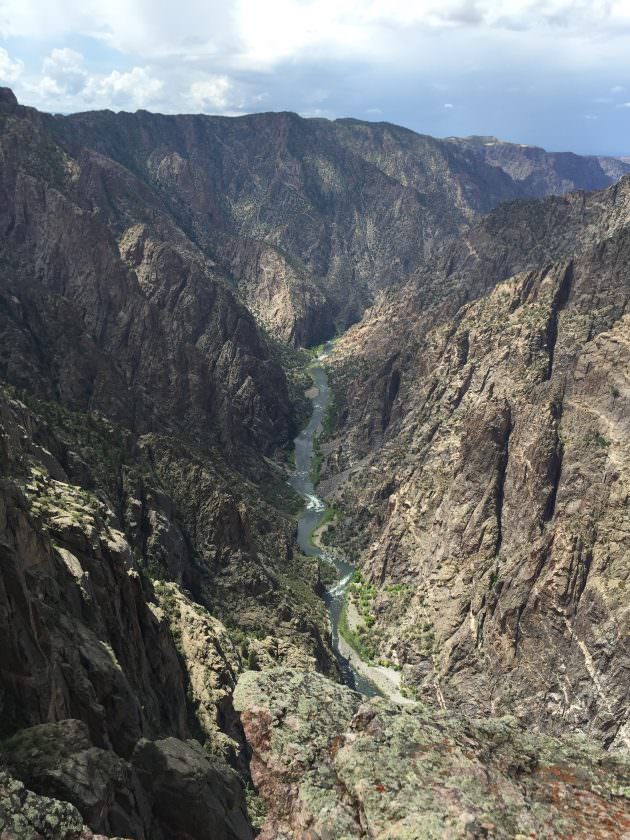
[
  {"x": 448, "y": 105},
  {"x": 135, "y": 88},
  {"x": 254, "y": 35},
  {"x": 63, "y": 60},
  {"x": 64, "y": 72},
  {"x": 10, "y": 70},
  {"x": 211, "y": 93}
]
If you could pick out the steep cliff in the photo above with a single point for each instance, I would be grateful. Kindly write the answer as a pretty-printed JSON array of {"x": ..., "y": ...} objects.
[
  {"x": 539, "y": 172},
  {"x": 487, "y": 458}
]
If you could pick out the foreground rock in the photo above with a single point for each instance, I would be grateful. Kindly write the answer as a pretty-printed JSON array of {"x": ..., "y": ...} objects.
[
  {"x": 330, "y": 766},
  {"x": 27, "y": 816},
  {"x": 168, "y": 788}
]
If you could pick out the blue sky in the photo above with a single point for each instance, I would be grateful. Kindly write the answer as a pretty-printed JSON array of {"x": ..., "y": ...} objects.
[{"x": 554, "y": 73}]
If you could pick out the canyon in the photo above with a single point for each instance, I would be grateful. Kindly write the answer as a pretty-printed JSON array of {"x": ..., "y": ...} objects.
[{"x": 169, "y": 668}]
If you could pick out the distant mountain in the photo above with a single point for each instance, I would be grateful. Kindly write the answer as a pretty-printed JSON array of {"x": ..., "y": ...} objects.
[
  {"x": 540, "y": 173},
  {"x": 311, "y": 217}
]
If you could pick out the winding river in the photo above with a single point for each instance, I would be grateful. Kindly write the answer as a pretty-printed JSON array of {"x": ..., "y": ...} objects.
[{"x": 312, "y": 515}]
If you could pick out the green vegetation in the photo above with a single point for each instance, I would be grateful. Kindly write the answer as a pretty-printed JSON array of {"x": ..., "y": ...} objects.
[
  {"x": 363, "y": 595},
  {"x": 328, "y": 521},
  {"x": 59, "y": 504},
  {"x": 329, "y": 420},
  {"x": 316, "y": 462},
  {"x": 599, "y": 440},
  {"x": 100, "y": 443},
  {"x": 316, "y": 350},
  {"x": 252, "y": 660},
  {"x": 328, "y": 517},
  {"x": 328, "y": 574},
  {"x": 398, "y": 589},
  {"x": 356, "y": 639},
  {"x": 295, "y": 364},
  {"x": 256, "y": 810},
  {"x": 330, "y": 514},
  {"x": 364, "y": 638}
]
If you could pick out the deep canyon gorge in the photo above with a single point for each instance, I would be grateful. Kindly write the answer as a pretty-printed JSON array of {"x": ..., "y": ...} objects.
[{"x": 315, "y": 482}]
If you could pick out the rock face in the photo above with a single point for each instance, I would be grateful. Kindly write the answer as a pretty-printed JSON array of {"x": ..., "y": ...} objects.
[
  {"x": 332, "y": 766},
  {"x": 105, "y": 312},
  {"x": 84, "y": 638},
  {"x": 494, "y": 474}
]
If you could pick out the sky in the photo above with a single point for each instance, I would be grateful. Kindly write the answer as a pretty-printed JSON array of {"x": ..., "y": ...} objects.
[{"x": 554, "y": 73}]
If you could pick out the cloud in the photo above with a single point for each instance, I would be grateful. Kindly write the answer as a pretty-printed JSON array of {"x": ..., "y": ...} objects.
[
  {"x": 211, "y": 93},
  {"x": 63, "y": 61},
  {"x": 10, "y": 70},
  {"x": 252, "y": 35},
  {"x": 448, "y": 105},
  {"x": 64, "y": 72},
  {"x": 135, "y": 88}
]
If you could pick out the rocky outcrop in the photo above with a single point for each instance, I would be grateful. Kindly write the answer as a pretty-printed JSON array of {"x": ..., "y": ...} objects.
[
  {"x": 85, "y": 640},
  {"x": 329, "y": 764},
  {"x": 280, "y": 292},
  {"x": 168, "y": 788},
  {"x": 60, "y": 760},
  {"x": 28, "y": 816},
  {"x": 191, "y": 794}
]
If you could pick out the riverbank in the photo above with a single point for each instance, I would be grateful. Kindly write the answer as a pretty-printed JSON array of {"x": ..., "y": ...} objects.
[
  {"x": 313, "y": 522},
  {"x": 386, "y": 679}
]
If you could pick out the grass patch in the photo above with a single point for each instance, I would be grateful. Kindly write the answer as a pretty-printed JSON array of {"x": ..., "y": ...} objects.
[{"x": 330, "y": 514}]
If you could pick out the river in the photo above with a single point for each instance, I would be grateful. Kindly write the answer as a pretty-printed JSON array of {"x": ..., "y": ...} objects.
[{"x": 312, "y": 516}]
